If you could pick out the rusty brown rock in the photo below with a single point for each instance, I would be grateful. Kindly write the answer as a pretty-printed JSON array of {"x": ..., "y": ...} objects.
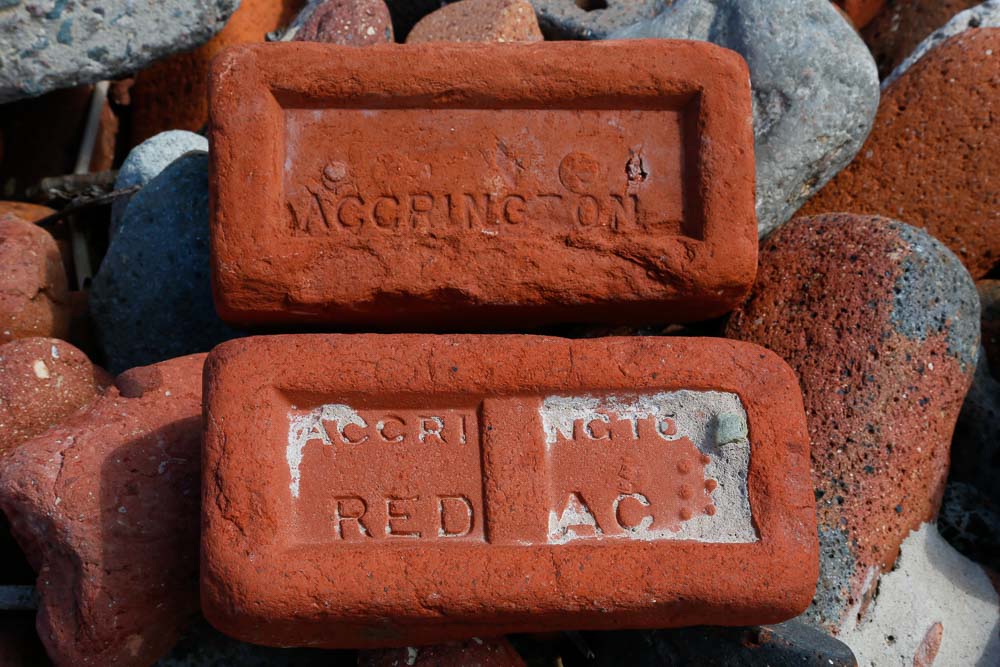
[
  {"x": 881, "y": 323},
  {"x": 105, "y": 507},
  {"x": 903, "y": 24},
  {"x": 42, "y": 381},
  {"x": 24, "y": 210},
  {"x": 496, "y": 652},
  {"x": 347, "y": 22},
  {"x": 931, "y": 157},
  {"x": 34, "y": 299},
  {"x": 479, "y": 21}
]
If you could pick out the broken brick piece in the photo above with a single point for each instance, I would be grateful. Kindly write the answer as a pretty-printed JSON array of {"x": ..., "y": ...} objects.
[
  {"x": 367, "y": 491},
  {"x": 547, "y": 182}
]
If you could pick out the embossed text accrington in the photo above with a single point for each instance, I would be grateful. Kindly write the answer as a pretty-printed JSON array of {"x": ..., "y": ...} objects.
[
  {"x": 549, "y": 182},
  {"x": 378, "y": 490}
]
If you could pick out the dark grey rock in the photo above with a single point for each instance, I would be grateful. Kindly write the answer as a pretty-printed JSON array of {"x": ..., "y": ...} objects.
[
  {"x": 788, "y": 644},
  {"x": 970, "y": 522},
  {"x": 592, "y": 19},
  {"x": 975, "y": 446},
  {"x": 147, "y": 160},
  {"x": 204, "y": 646},
  {"x": 815, "y": 88},
  {"x": 49, "y": 44},
  {"x": 152, "y": 298}
]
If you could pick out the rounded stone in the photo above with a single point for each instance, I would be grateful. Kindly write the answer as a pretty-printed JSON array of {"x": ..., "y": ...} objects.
[
  {"x": 24, "y": 210},
  {"x": 479, "y": 21},
  {"x": 815, "y": 88},
  {"x": 152, "y": 298},
  {"x": 931, "y": 156},
  {"x": 861, "y": 12},
  {"x": 975, "y": 446},
  {"x": 42, "y": 381},
  {"x": 881, "y": 323},
  {"x": 34, "y": 296},
  {"x": 346, "y": 22},
  {"x": 147, "y": 160},
  {"x": 592, "y": 19}
]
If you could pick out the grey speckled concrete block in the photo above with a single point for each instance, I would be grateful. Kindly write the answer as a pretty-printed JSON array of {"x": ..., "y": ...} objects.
[
  {"x": 147, "y": 160},
  {"x": 152, "y": 297},
  {"x": 50, "y": 44},
  {"x": 815, "y": 88},
  {"x": 986, "y": 15},
  {"x": 592, "y": 19}
]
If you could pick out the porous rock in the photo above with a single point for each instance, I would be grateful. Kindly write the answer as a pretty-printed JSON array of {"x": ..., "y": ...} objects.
[
  {"x": 58, "y": 44},
  {"x": 592, "y": 19},
  {"x": 34, "y": 296},
  {"x": 105, "y": 506},
  {"x": 935, "y": 608},
  {"x": 970, "y": 522},
  {"x": 147, "y": 160},
  {"x": 152, "y": 297},
  {"x": 815, "y": 88},
  {"x": 903, "y": 24},
  {"x": 881, "y": 323},
  {"x": 986, "y": 15},
  {"x": 930, "y": 159},
  {"x": 347, "y": 22},
  {"x": 479, "y": 21},
  {"x": 42, "y": 381}
]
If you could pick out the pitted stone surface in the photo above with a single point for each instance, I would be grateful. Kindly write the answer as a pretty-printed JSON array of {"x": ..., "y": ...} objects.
[
  {"x": 347, "y": 22},
  {"x": 57, "y": 44},
  {"x": 43, "y": 381},
  {"x": 513, "y": 474},
  {"x": 929, "y": 160},
  {"x": 814, "y": 84},
  {"x": 105, "y": 507},
  {"x": 879, "y": 320},
  {"x": 479, "y": 21}
]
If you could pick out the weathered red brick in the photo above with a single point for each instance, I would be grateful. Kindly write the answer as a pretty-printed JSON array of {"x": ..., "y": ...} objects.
[
  {"x": 393, "y": 490},
  {"x": 539, "y": 182},
  {"x": 34, "y": 296}
]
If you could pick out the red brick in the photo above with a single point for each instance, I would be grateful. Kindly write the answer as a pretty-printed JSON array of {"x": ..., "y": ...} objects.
[
  {"x": 374, "y": 490},
  {"x": 619, "y": 178}
]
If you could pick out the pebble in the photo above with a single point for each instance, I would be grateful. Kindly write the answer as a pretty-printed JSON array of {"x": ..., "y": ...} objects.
[
  {"x": 931, "y": 157},
  {"x": 495, "y": 652},
  {"x": 152, "y": 299},
  {"x": 975, "y": 448},
  {"x": 986, "y": 15},
  {"x": 173, "y": 93},
  {"x": 789, "y": 644},
  {"x": 346, "y": 22},
  {"x": 105, "y": 505},
  {"x": 34, "y": 297},
  {"x": 936, "y": 607},
  {"x": 147, "y": 160},
  {"x": 903, "y": 24},
  {"x": 815, "y": 88},
  {"x": 881, "y": 324},
  {"x": 24, "y": 210},
  {"x": 479, "y": 21},
  {"x": 593, "y": 19},
  {"x": 970, "y": 522},
  {"x": 59, "y": 44},
  {"x": 42, "y": 381}
]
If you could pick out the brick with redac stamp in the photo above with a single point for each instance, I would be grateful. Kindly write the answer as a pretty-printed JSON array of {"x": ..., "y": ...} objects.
[
  {"x": 379, "y": 490},
  {"x": 462, "y": 186}
]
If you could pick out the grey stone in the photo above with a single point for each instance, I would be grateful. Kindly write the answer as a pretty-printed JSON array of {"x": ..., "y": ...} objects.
[
  {"x": 50, "y": 44},
  {"x": 970, "y": 522},
  {"x": 152, "y": 299},
  {"x": 592, "y": 19},
  {"x": 147, "y": 160},
  {"x": 815, "y": 88},
  {"x": 986, "y": 15}
]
